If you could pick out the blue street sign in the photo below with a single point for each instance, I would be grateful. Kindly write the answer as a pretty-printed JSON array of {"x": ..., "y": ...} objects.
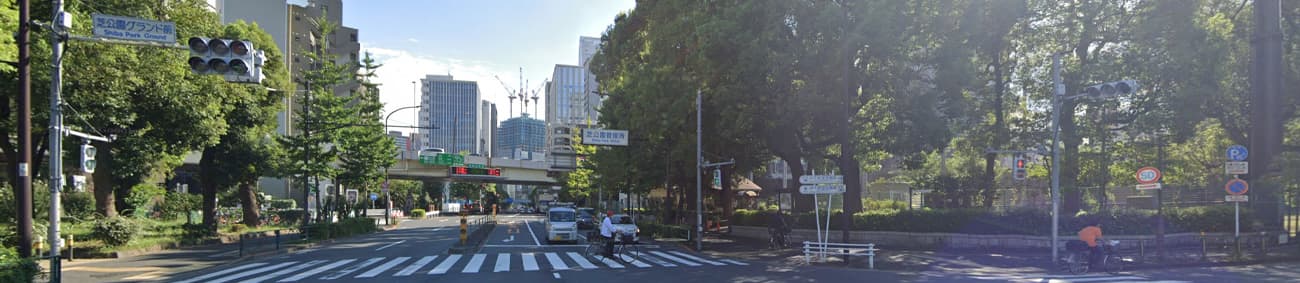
[
  {"x": 374, "y": 196},
  {"x": 1236, "y": 187},
  {"x": 134, "y": 29},
  {"x": 510, "y": 200},
  {"x": 1237, "y": 152}
]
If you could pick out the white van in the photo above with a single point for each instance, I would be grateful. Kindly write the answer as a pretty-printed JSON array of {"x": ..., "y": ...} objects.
[{"x": 561, "y": 225}]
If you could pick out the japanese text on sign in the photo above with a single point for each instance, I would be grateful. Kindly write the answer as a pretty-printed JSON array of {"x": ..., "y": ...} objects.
[
  {"x": 128, "y": 28},
  {"x": 604, "y": 137}
]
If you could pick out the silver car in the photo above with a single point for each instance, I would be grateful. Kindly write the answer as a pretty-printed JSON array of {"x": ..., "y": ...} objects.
[{"x": 625, "y": 224}]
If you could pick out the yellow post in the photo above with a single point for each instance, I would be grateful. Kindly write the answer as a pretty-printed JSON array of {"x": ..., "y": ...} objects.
[
  {"x": 494, "y": 212},
  {"x": 464, "y": 227}
]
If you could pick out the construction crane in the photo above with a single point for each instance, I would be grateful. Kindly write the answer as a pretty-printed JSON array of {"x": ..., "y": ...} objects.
[
  {"x": 534, "y": 96},
  {"x": 510, "y": 93}
]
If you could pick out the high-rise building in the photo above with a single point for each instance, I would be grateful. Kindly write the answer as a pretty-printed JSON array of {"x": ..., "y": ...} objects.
[
  {"x": 487, "y": 129},
  {"x": 521, "y": 138},
  {"x": 587, "y": 48},
  {"x": 452, "y": 107},
  {"x": 564, "y": 98},
  {"x": 403, "y": 144}
]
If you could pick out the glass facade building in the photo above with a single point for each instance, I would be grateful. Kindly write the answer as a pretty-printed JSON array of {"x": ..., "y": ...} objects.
[
  {"x": 452, "y": 107},
  {"x": 521, "y": 138}
]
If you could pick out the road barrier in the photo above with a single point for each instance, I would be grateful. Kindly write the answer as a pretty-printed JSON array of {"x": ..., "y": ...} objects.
[{"x": 252, "y": 243}]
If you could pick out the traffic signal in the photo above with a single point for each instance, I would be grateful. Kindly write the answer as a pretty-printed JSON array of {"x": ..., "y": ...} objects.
[
  {"x": 88, "y": 158},
  {"x": 1111, "y": 89},
  {"x": 236, "y": 60},
  {"x": 1020, "y": 173}
]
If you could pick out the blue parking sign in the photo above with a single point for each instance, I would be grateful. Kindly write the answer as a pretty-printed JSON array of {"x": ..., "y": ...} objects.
[{"x": 1237, "y": 152}]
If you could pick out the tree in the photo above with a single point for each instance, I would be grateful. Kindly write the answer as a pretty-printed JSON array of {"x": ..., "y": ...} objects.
[{"x": 365, "y": 148}]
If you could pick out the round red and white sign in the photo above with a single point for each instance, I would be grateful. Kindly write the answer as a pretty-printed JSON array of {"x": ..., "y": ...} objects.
[{"x": 1148, "y": 175}]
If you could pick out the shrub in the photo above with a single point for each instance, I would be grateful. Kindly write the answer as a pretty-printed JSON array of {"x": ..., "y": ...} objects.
[
  {"x": 281, "y": 204},
  {"x": 115, "y": 231},
  {"x": 144, "y": 198},
  {"x": 289, "y": 217},
  {"x": 177, "y": 204},
  {"x": 238, "y": 228},
  {"x": 78, "y": 206},
  {"x": 417, "y": 213},
  {"x": 14, "y": 269},
  {"x": 346, "y": 227}
]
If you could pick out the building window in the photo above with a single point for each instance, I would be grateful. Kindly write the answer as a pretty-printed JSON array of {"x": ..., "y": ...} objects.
[
  {"x": 354, "y": 37},
  {"x": 354, "y": 57}
]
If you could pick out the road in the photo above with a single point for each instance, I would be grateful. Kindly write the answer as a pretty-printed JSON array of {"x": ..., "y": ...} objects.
[{"x": 516, "y": 251}]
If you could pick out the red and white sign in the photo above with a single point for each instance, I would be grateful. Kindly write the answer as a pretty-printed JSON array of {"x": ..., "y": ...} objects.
[{"x": 1148, "y": 175}]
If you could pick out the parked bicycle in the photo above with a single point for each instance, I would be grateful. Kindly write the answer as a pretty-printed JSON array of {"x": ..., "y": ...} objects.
[{"x": 1076, "y": 260}]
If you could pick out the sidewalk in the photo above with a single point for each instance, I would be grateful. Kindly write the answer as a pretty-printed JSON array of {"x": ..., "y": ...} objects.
[{"x": 921, "y": 260}]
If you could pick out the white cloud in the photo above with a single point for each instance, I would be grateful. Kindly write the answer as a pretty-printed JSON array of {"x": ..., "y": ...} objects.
[
  {"x": 413, "y": 40},
  {"x": 401, "y": 67}
]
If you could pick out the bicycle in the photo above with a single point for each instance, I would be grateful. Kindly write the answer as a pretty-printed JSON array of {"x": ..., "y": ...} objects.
[
  {"x": 626, "y": 250},
  {"x": 777, "y": 238},
  {"x": 595, "y": 245},
  {"x": 1076, "y": 261}
]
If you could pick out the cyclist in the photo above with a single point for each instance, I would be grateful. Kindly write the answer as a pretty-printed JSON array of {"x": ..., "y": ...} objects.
[
  {"x": 607, "y": 232},
  {"x": 1091, "y": 235},
  {"x": 777, "y": 226}
]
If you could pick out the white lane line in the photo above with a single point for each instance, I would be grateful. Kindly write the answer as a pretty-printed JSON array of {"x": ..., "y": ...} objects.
[
  {"x": 503, "y": 262},
  {"x": 445, "y": 265},
  {"x": 224, "y": 254},
  {"x": 638, "y": 262},
  {"x": 658, "y": 261},
  {"x": 1108, "y": 278},
  {"x": 251, "y": 272},
  {"x": 352, "y": 269},
  {"x": 557, "y": 275},
  {"x": 389, "y": 245},
  {"x": 582, "y": 261},
  {"x": 223, "y": 272},
  {"x": 673, "y": 258},
  {"x": 530, "y": 233},
  {"x": 691, "y": 257},
  {"x": 416, "y": 266},
  {"x": 556, "y": 262},
  {"x": 474, "y": 264},
  {"x": 733, "y": 262},
  {"x": 532, "y": 246},
  {"x": 309, "y": 273},
  {"x": 284, "y": 271},
  {"x": 530, "y": 261},
  {"x": 388, "y": 265},
  {"x": 611, "y": 263}
]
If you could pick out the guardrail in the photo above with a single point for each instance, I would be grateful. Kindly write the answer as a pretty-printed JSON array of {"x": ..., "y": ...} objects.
[{"x": 252, "y": 243}]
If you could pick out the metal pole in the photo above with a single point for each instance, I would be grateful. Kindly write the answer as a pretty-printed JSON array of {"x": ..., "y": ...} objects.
[
  {"x": 388, "y": 198},
  {"x": 1236, "y": 216},
  {"x": 24, "y": 158},
  {"x": 306, "y": 159},
  {"x": 56, "y": 140},
  {"x": 1160, "y": 205},
  {"x": 1058, "y": 93},
  {"x": 699, "y": 162}
]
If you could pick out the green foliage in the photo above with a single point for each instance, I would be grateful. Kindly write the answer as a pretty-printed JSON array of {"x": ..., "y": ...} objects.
[
  {"x": 15, "y": 269},
  {"x": 77, "y": 206},
  {"x": 114, "y": 231},
  {"x": 238, "y": 228},
  {"x": 145, "y": 198},
  {"x": 417, "y": 213},
  {"x": 282, "y": 204},
  {"x": 1018, "y": 222},
  {"x": 343, "y": 228}
]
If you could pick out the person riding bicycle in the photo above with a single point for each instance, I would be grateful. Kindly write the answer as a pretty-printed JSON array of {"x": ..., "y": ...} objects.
[
  {"x": 1092, "y": 235},
  {"x": 777, "y": 223},
  {"x": 607, "y": 230}
]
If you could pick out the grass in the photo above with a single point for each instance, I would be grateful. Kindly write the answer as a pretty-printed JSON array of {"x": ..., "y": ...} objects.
[{"x": 152, "y": 233}]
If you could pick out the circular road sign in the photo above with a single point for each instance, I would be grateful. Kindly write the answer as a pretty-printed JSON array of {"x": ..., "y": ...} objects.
[
  {"x": 1236, "y": 187},
  {"x": 1148, "y": 175},
  {"x": 1237, "y": 152}
]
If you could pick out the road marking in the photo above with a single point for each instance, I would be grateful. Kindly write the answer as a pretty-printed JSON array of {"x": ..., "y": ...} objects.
[
  {"x": 416, "y": 266},
  {"x": 673, "y": 258},
  {"x": 734, "y": 262},
  {"x": 377, "y": 270},
  {"x": 148, "y": 276},
  {"x": 531, "y": 233},
  {"x": 658, "y": 261},
  {"x": 638, "y": 263},
  {"x": 556, "y": 262},
  {"x": 223, "y": 272},
  {"x": 532, "y": 246},
  {"x": 691, "y": 257},
  {"x": 1108, "y": 278},
  {"x": 557, "y": 275},
  {"x": 503, "y": 262},
  {"x": 445, "y": 265},
  {"x": 352, "y": 269},
  {"x": 389, "y": 245},
  {"x": 111, "y": 269},
  {"x": 224, "y": 254},
  {"x": 581, "y": 260},
  {"x": 511, "y": 239},
  {"x": 474, "y": 264},
  {"x": 530, "y": 261},
  {"x": 611, "y": 263},
  {"x": 309, "y": 273},
  {"x": 251, "y": 272},
  {"x": 284, "y": 271}
]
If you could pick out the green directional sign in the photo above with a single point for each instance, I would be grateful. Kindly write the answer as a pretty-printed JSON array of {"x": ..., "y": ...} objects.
[
  {"x": 443, "y": 159},
  {"x": 476, "y": 165}
]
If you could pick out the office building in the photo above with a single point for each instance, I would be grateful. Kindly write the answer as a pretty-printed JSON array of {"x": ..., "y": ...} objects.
[
  {"x": 403, "y": 144},
  {"x": 521, "y": 138},
  {"x": 487, "y": 128},
  {"x": 452, "y": 107}
]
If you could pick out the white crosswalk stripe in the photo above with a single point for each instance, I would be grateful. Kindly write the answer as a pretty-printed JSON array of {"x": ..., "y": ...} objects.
[
  {"x": 474, "y": 264},
  {"x": 251, "y": 272},
  {"x": 416, "y": 266},
  {"x": 327, "y": 267},
  {"x": 1078, "y": 278},
  {"x": 530, "y": 261},
  {"x": 284, "y": 271},
  {"x": 445, "y": 265},
  {"x": 352, "y": 269},
  {"x": 385, "y": 267},
  {"x": 673, "y": 258},
  {"x": 223, "y": 272},
  {"x": 378, "y": 267}
]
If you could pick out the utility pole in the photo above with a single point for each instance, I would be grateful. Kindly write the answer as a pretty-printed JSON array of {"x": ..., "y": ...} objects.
[
  {"x": 699, "y": 164},
  {"x": 1058, "y": 91},
  {"x": 61, "y": 23},
  {"x": 306, "y": 158},
  {"x": 23, "y": 196}
]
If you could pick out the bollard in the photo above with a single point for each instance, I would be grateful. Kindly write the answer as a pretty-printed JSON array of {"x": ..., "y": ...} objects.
[
  {"x": 1263, "y": 243},
  {"x": 241, "y": 245},
  {"x": 40, "y": 241},
  {"x": 277, "y": 240},
  {"x": 1203, "y": 246},
  {"x": 1142, "y": 249},
  {"x": 70, "y": 242},
  {"x": 464, "y": 225}
]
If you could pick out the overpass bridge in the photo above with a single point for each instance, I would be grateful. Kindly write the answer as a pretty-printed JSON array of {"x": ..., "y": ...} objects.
[{"x": 515, "y": 172}]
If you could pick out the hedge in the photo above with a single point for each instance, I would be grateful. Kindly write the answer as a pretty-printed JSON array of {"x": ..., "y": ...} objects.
[
  {"x": 115, "y": 231},
  {"x": 1019, "y": 222},
  {"x": 343, "y": 228},
  {"x": 417, "y": 213},
  {"x": 15, "y": 269}
]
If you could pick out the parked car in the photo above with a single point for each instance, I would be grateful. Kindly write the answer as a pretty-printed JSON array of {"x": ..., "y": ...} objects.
[
  {"x": 624, "y": 223},
  {"x": 586, "y": 218}
]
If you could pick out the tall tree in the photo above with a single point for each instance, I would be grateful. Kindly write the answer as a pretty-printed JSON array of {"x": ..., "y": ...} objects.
[{"x": 365, "y": 148}]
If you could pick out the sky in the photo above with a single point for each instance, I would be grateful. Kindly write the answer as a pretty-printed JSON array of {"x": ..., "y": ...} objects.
[{"x": 474, "y": 40}]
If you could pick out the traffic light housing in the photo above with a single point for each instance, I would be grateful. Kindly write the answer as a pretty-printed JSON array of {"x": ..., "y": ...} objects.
[
  {"x": 88, "y": 158},
  {"x": 235, "y": 60},
  {"x": 1111, "y": 89},
  {"x": 1020, "y": 172}
]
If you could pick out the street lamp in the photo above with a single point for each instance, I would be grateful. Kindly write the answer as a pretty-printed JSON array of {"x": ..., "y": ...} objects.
[
  {"x": 388, "y": 206},
  {"x": 1100, "y": 91}
]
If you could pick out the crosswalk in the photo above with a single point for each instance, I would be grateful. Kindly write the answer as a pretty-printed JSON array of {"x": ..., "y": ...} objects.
[
  {"x": 1073, "y": 278},
  {"x": 433, "y": 265}
]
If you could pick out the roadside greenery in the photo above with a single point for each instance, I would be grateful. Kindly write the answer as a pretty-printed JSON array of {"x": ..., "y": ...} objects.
[{"x": 1016, "y": 222}]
